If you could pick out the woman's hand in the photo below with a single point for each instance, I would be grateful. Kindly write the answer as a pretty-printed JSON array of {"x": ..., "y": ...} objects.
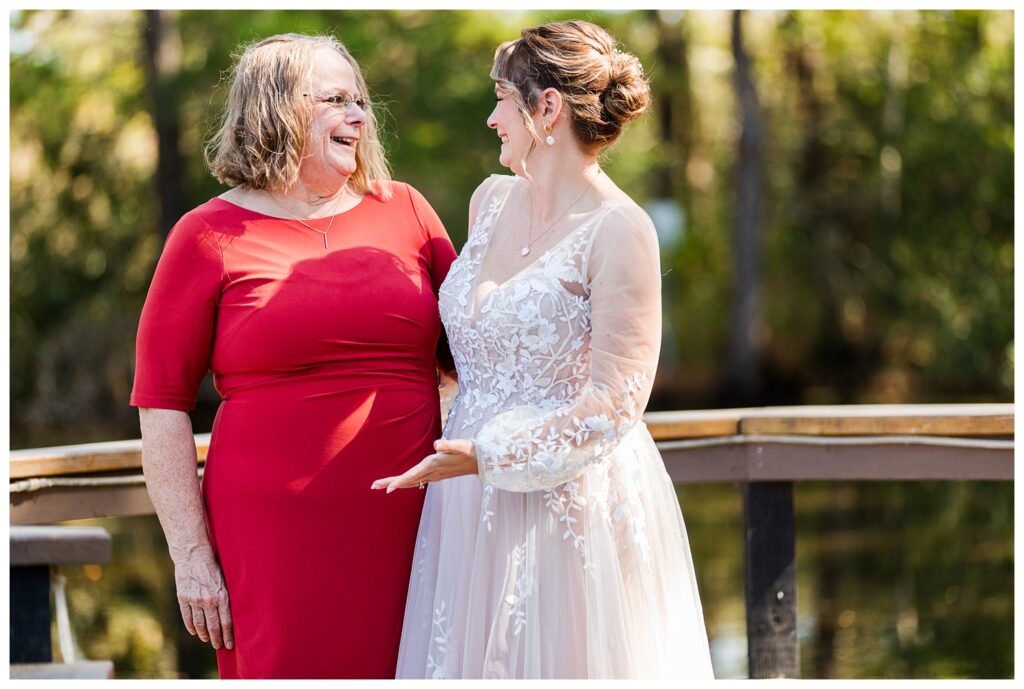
[
  {"x": 203, "y": 598},
  {"x": 169, "y": 465},
  {"x": 453, "y": 458}
]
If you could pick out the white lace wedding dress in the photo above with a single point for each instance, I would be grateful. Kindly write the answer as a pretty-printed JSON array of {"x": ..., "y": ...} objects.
[{"x": 567, "y": 556}]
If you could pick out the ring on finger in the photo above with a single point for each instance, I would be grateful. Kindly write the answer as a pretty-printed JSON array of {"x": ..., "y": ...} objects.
[{"x": 422, "y": 485}]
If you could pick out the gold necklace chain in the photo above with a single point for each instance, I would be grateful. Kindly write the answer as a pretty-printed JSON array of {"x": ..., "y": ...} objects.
[
  {"x": 525, "y": 251},
  {"x": 330, "y": 222}
]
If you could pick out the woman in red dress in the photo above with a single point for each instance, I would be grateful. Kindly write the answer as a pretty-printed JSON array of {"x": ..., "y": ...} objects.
[{"x": 310, "y": 290}]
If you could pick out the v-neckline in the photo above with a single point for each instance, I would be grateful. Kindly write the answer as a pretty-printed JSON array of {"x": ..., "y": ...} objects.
[{"x": 475, "y": 304}]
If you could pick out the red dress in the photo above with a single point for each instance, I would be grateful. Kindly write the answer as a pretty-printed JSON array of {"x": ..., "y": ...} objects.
[{"x": 325, "y": 360}]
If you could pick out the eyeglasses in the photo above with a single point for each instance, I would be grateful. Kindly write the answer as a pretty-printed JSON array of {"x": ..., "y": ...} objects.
[{"x": 342, "y": 100}]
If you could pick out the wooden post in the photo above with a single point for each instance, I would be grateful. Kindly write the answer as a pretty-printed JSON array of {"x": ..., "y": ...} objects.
[
  {"x": 34, "y": 550},
  {"x": 30, "y": 614},
  {"x": 770, "y": 550}
]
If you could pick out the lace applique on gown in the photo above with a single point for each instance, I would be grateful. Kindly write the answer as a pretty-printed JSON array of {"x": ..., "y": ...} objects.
[{"x": 567, "y": 556}]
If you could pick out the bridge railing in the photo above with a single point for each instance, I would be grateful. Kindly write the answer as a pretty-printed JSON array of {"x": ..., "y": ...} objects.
[{"x": 766, "y": 449}]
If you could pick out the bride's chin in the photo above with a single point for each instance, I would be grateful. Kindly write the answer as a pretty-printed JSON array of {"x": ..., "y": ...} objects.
[{"x": 516, "y": 167}]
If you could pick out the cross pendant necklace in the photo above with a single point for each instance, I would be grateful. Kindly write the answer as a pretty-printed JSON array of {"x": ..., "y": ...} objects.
[{"x": 323, "y": 232}]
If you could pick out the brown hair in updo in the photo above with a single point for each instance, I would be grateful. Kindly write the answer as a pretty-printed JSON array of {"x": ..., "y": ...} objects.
[{"x": 602, "y": 88}]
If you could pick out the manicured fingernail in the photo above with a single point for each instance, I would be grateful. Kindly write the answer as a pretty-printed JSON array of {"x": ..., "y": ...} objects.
[
  {"x": 390, "y": 488},
  {"x": 231, "y": 646}
]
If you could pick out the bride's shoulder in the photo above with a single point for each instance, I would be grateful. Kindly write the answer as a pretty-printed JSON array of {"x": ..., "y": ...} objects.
[
  {"x": 624, "y": 243},
  {"x": 487, "y": 189},
  {"x": 625, "y": 219},
  {"x": 493, "y": 183}
]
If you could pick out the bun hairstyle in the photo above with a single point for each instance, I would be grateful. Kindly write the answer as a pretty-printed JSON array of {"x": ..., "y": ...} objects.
[{"x": 603, "y": 89}]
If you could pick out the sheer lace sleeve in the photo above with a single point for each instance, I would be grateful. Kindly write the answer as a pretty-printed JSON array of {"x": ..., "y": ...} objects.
[{"x": 527, "y": 449}]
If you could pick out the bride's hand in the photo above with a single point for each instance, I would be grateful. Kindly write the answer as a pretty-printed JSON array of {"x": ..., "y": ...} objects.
[{"x": 453, "y": 458}]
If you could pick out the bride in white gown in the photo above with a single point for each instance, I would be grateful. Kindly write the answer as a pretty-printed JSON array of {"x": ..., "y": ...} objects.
[{"x": 551, "y": 543}]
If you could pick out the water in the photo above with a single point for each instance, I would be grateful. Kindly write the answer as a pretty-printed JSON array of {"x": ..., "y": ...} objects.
[{"x": 894, "y": 580}]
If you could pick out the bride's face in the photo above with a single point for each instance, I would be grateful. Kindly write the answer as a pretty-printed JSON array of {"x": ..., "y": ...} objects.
[{"x": 507, "y": 121}]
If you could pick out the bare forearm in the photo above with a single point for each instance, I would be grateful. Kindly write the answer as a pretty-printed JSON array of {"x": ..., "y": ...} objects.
[
  {"x": 169, "y": 465},
  {"x": 448, "y": 388}
]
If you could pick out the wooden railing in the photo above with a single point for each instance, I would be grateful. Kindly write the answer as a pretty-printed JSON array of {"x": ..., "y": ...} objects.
[
  {"x": 37, "y": 553},
  {"x": 767, "y": 449}
]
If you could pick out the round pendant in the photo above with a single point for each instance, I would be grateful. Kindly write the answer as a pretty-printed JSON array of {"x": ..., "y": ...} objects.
[{"x": 525, "y": 251}]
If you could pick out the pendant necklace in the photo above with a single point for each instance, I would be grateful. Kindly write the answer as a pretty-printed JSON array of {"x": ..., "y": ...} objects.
[
  {"x": 525, "y": 250},
  {"x": 330, "y": 222}
]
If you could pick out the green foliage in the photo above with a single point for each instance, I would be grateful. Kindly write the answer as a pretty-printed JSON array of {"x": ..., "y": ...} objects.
[
  {"x": 893, "y": 203},
  {"x": 888, "y": 249},
  {"x": 82, "y": 232}
]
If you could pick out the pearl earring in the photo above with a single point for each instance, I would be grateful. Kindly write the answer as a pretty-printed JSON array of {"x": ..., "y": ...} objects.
[{"x": 550, "y": 141}]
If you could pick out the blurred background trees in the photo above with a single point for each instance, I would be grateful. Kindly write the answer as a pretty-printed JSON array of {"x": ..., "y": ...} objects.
[
  {"x": 883, "y": 215},
  {"x": 858, "y": 165}
]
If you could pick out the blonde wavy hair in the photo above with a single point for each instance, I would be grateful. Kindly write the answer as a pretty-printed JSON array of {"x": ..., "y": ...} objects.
[
  {"x": 602, "y": 87},
  {"x": 266, "y": 121}
]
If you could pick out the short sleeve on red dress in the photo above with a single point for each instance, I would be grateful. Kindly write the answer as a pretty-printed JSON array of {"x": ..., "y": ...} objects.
[{"x": 175, "y": 337}]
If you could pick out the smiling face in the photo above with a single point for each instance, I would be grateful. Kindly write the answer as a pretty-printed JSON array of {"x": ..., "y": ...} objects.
[
  {"x": 507, "y": 121},
  {"x": 329, "y": 156}
]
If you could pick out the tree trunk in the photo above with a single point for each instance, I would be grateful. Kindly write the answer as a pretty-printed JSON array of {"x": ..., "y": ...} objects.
[
  {"x": 674, "y": 108},
  {"x": 744, "y": 355},
  {"x": 671, "y": 203},
  {"x": 163, "y": 61},
  {"x": 819, "y": 220}
]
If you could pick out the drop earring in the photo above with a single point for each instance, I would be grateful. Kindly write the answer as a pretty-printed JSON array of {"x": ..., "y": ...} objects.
[{"x": 550, "y": 141}]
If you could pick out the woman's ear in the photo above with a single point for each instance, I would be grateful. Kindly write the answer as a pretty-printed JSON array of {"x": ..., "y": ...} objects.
[{"x": 551, "y": 105}]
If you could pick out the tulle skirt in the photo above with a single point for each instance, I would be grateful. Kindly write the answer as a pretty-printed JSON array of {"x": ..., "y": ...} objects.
[{"x": 590, "y": 579}]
